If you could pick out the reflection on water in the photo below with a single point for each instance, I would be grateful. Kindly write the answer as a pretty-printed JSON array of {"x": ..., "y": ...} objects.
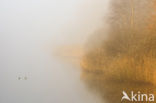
[
  {"x": 111, "y": 91},
  {"x": 70, "y": 55},
  {"x": 123, "y": 58}
]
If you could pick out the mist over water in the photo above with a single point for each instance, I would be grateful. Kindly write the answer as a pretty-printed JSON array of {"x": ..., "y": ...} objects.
[
  {"x": 29, "y": 32},
  {"x": 125, "y": 59}
]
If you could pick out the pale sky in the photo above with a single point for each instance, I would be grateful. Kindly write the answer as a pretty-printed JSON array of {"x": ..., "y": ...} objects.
[
  {"x": 58, "y": 20},
  {"x": 26, "y": 26}
]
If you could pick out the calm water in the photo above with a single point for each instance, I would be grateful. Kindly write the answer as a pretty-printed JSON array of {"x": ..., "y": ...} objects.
[
  {"x": 49, "y": 80},
  {"x": 29, "y": 32}
]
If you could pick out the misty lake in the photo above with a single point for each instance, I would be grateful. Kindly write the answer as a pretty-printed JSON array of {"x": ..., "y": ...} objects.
[
  {"x": 49, "y": 80},
  {"x": 29, "y": 33}
]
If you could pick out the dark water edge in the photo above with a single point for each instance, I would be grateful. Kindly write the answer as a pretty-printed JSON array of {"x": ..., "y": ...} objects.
[{"x": 111, "y": 90}]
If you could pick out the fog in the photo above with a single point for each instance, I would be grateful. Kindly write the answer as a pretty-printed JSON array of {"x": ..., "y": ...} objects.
[{"x": 30, "y": 31}]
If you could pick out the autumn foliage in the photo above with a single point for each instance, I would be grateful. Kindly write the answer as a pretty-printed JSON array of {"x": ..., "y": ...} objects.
[{"x": 128, "y": 52}]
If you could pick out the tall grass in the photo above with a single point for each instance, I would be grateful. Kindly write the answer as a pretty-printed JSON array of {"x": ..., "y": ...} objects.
[{"x": 128, "y": 52}]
